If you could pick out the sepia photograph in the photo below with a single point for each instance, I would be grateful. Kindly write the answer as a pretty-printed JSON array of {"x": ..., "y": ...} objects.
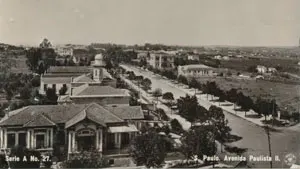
[{"x": 143, "y": 84}]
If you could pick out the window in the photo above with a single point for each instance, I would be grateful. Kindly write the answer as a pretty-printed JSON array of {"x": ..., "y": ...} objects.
[
  {"x": 45, "y": 87},
  {"x": 22, "y": 139},
  {"x": 11, "y": 140},
  {"x": 96, "y": 72},
  {"x": 40, "y": 141}
]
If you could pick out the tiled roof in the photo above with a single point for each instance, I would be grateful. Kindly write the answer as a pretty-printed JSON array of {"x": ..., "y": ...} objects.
[
  {"x": 57, "y": 113},
  {"x": 69, "y": 69},
  {"x": 39, "y": 120},
  {"x": 97, "y": 90},
  {"x": 49, "y": 115},
  {"x": 126, "y": 112},
  {"x": 56, "y": 80},
  {"x": 83, "y": 78}
]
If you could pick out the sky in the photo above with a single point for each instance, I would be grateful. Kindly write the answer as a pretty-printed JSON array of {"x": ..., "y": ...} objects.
[{"x": 171, "y": 22}]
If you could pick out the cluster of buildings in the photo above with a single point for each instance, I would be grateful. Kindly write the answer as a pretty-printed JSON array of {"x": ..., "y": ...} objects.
[
  {"x": 263, "y": 69},
  {"x": 164, "y": 60},
  {"x": 92, "y": 115}
]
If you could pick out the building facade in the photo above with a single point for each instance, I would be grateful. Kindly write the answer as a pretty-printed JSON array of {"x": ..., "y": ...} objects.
[
  {"x": 198, "y": 70},
  {"x": 82, "y": 127},
  {"x": 161, "y": 60},
  {"x": 64, "y": 51},
  {"x": 75, "y": 76}
]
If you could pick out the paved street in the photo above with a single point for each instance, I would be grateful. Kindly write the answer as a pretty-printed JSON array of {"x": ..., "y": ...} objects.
[{"x": 254, "y": 137}]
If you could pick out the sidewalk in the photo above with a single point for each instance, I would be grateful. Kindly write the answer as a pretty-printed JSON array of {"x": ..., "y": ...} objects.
[
  {"x": 202, "y": 99},
  {"x": 185, "y": 124}
]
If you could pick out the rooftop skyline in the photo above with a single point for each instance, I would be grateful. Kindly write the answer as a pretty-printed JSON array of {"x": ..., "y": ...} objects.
[{"x": 171, "y": 22}]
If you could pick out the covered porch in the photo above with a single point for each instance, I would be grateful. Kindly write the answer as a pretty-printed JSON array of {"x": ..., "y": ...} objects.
[{"x": 106, "y": 140}]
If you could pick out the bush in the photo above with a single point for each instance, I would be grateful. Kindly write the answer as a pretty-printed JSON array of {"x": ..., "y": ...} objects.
[
  {"x": 86, "y": 160},
  {"x": 3, "y": 162},
  {"x": 35, "y": 82},
  {"x": 176, "y": 127}
]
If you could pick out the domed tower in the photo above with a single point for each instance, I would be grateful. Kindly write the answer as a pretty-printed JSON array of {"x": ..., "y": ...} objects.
[{"x": 98, "y": 67}]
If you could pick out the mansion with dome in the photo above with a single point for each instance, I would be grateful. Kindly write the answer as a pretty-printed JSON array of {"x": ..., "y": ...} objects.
[{"x": 91, "y": 115}]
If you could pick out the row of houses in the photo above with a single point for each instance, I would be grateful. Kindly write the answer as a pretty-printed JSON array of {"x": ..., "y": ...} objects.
[{"x": 92, "y": 115}]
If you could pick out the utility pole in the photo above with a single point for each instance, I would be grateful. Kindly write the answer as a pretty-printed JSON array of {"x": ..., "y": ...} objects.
[{"x": 269, "y": 143}]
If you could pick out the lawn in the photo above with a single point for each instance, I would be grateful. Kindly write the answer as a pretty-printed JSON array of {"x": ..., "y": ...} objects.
[
  {"x": 287, "y": 64},
  {"x": 20, "y": 66},
  {"x": 286, "y": 95}
]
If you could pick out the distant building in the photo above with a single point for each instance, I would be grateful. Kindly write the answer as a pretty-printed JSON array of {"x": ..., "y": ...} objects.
[
  {"x": 64, "y": 51},
  {"x": 195, "y": 70},
  {"x": 218, "y": 57},
  {"x": 225, "y": 58},
  {"x": 272, "y": 70},
  {"x": 193, "y": 57},
  {"x": 74, "y": 76},
  {"x": 261, "y": 69},
  {"x": 161, "y": 60},
  {"x": 82, "y": 56}
]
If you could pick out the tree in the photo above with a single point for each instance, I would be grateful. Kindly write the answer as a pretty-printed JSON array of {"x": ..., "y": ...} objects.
[
  {"x": 232, "y": 96},
  {"x": 194, "y": 84},
  {"x": 131, "y": 75},
  {"x": 35, "y": 81},
  {"x": 33, "y": 56},
  {"x": 63, "y": 90},
  {"x": 157, "y": 93},
  {"x": 25, "y": 92},
  {"x": 45, "y": 43},
  {"x": 168, "y": 96},
  {"x": 199, "y": 141},
  {"x": 189, "y": 108},
  {"x": 146, "y": 83},
  {"x": 246, "y": 103},
  {"x": 51, "y": 96},
  {"x": 6, "y": 63},
  {"x": 182, "y": 79},
  {"x": 261, "y": 107},
  {"x": 108, "y": 65},
  {"x": 148, "y": 149},
  {"x": 162, "y": 114},
  {"x": 176, "y": 126},
  {"x": 179, "y": 61}
]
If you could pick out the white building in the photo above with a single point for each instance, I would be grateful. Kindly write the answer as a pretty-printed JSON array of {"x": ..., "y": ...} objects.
[
  {"x": 161, "y": 60},
  {"x": 218, "y": 57},
  {"x": 195, "y": 70},
  {"x": 64, "y": 51},
  {"x": 261, "y": 69},
  {"x": 272, "y": 70},
  {"x": 193, "y": 57}
]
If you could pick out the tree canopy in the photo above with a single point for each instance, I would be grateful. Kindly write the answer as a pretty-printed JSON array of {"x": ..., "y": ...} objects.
[{"x": 148, "y": 149}]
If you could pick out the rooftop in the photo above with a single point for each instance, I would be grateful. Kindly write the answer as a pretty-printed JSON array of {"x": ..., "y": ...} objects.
[
  {"x": 196, "y": 66},
  {"x": 69, "y": 69},
  {"x": 98, "y": 90},
  {"x": 49, "y": 115},
  {"x": 56, "y": 80}
]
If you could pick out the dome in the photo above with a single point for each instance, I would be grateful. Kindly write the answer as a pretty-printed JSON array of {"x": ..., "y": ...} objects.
[{"x": 99, "y": 57}]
